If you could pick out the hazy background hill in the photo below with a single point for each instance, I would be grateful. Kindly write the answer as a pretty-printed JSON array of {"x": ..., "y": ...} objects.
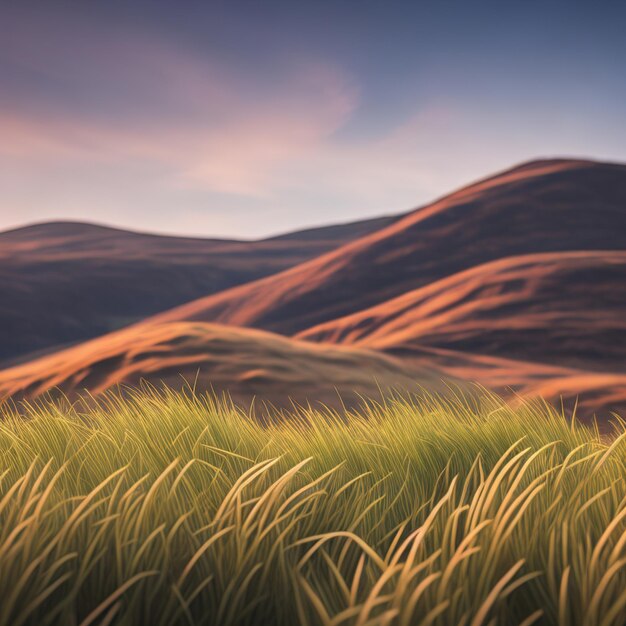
[{"x": 64, "y": 282}]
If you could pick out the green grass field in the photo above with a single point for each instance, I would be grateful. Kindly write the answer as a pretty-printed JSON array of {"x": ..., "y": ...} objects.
[{"x": 164, "y": 508}]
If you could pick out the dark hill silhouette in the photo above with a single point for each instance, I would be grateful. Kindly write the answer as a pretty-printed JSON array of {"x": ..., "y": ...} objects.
[{"x": 64, "y": 282}]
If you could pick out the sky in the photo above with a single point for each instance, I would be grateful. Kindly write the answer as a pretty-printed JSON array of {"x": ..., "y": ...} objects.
[{"x": 244, "y": 119}]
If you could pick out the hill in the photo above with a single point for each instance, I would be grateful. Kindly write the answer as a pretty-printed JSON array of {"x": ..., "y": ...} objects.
[
  {"x": 515, "y": 282},
  {"x": 257, "y": 365},
  {"x": 544, "y": 206},
  {"x": 564, "y": 309},
  {"x": 247, "y": 363},
  {"x": 65, "y": 282}
]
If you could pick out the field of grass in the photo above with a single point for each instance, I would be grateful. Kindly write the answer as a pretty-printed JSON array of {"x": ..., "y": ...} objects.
[{"x": 165, "y": 508}]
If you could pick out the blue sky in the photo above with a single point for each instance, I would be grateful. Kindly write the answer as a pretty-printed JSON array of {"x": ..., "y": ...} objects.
[{"x": 244, "y": 119}]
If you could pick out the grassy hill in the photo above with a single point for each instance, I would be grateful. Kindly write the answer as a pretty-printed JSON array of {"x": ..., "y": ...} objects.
[
  {"x": 168, "y": 508},
  {"x": 248, "y": 364}
]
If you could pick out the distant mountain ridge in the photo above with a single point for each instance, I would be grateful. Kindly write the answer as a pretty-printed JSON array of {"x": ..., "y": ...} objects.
[{"x": 64, "y": 282}]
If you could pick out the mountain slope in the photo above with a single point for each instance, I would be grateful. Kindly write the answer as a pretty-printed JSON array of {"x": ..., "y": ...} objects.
[
  {"x": 253, "y": 365},
  {"x": 544, "y": 206},
  {"x": 63, "y": 282},
  {"x": 565, "y": 308},
  {"x": 247, "y": 363}
]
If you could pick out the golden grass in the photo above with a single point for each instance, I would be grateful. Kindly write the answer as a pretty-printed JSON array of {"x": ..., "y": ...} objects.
[{"x": 169, "y": 508}]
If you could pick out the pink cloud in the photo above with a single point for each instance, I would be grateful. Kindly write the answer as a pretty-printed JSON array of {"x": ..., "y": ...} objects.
[
  {"x": 207, "y": 127},
  {"x": 203, "y": 125}
]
